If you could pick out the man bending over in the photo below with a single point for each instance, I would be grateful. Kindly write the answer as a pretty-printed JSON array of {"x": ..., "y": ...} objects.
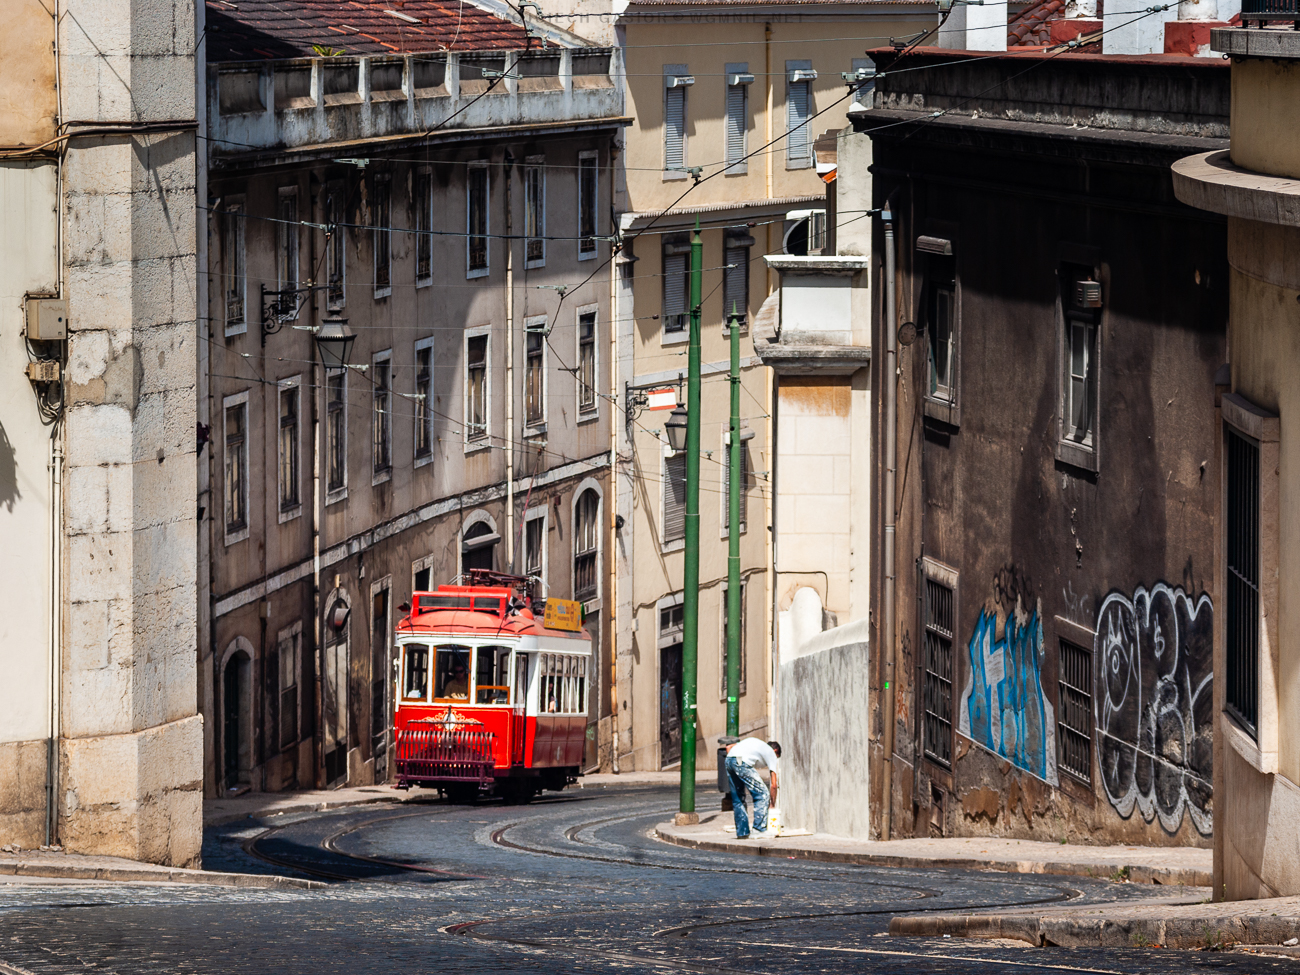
[{"x": 742, "y": 758}]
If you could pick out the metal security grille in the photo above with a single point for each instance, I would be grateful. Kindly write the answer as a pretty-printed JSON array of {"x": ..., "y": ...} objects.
[
  {"x": 1243, "y": 580},
  {"x": 1075, "y": 723},
  {"x": 937, "y": 682}
]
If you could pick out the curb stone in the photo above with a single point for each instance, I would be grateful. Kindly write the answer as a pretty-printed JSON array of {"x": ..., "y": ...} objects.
[
  {"x": 1207, "y": 931},
  {"x": 76, "y": 871},
  {"x": 1137, "y": 874}
]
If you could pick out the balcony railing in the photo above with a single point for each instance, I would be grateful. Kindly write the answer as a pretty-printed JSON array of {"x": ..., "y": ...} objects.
[{"x": 1266, "y": 10}]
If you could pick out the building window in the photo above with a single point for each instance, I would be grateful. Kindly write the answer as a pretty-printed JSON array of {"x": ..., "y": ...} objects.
[
  {"x": 735, "y": 278},
  {"x": 476, "y": 390},
  {"x": 335, "y": 246},
  {"x": 424, "y": 400},
  {"x": 586, "y": 542},
  {"x": 382, "y": 413},
  {"x": 423, "y": 226},
  {"x": 236, "y": 436},
  {"x": 677, "y": 287},
  {"x": 290, "y": 412},
  {"x": 798, "y": 110},
  {"x": 726, "y": 486},
  {"x": 588, "y": 203},
  {"x": 722, "y": 657},
  {"x": 587, "y": 362},
  {"x": 1081, "y": 317},
  {"x": 535, "y": 544},
  {"x": 941, "y": 310},
  {"x": 535, "y": 373},
  {"x": 476, "y": 225},
  {"x": 1075, "y": 699},
  {"x": 534, "y": 213},
  {"x": 286, "y": 233},
  {"x": 737, "y": 122},
  {"x": 381, "y": 223},
  {"x": 674, "y": 486},
  {"x": 290, "y": 660},
  {"x": 1242, "y": 550},
  {"x": 937, "y": 676},
  {"x": 336, "y": 424},
  {"x": 236, "y": 278},
  {"x": 676, "y": 81}
]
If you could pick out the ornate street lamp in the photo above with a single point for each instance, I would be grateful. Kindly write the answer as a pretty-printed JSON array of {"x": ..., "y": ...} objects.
[
  {"x": 675, "y": 427},
  {"x": 334, "y": 339}
]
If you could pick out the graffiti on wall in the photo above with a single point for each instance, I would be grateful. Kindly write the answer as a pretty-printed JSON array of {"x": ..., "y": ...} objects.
[
  {"x": 1003, "y": 706},
  {"x": 1154, "y": 705}
]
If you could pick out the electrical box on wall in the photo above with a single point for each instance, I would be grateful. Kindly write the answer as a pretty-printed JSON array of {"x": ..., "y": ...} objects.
[{"x": 47, "y": 319}]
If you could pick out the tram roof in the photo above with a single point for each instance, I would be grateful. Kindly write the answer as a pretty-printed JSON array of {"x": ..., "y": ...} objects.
[{"x": 477, "y": 612}]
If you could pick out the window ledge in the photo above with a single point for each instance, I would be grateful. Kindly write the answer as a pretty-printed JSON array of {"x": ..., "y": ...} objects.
[
  {"x": 587, "y": 255},
  {"x": 675, "y": 338},
  {"x": 289, "y": 514},
  {"x": 538, "y": 262},
  {"x": 674, "y": 174},
  {"x": 335, "y": 496},
  {"x": 381, "y": 477},
  {"x": 676, "y": 545},
  {"x": 234, "y": 538},
  {"x": 944, "y": 410},
  {"x": 423, "y": 461},
  {"x": 239, "y": 329},
  {"x": 589, "y": 416},
  {"x": 535, "y": 430},
  {"x": 1077, "y": 455},
  {"x": 424, "y": 282},
  {"x": 477, "y": 272},
  {"x": 474, "y": 446},
  {"x": 1264, "y": 762}
]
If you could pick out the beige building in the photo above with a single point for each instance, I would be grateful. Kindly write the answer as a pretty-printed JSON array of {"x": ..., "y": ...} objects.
[
  {"x": 449, "y": 198},
  {"x": 1256, "y": 649},
  {"x": 728, "y": 99},
  {"x": 100, "y": 739}
]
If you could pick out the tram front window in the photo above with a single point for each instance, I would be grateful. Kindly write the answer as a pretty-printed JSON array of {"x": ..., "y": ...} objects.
[
  {"x": 416, "y": 685},
  {"x": 451, "y": 674},
  {"x": 492, "y": 679}
]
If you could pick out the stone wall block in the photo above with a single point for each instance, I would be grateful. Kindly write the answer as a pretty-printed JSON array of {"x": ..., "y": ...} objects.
[
  {"x": 95, "y": 86},
  {"x": 167, "y": 360},
  {"x": 98, "y": 435},
  {"x": 102, "y": 166},
  {"x": 99, "y": 566},
  {"x": 152, "y": 296},
  {"x": 86, "y": 499},
  {"x": 163, "y": 87},
  {"x": 164, "y": 555},
  {"x": 159, "y": 223},
  {"x": 99, "y": 296},
  {"x": 93, "y": 27},
  {"x": 22, "y": 792},
  {"x": 165, "y": 421},
  {"x": 88, "y": 353},
  {"x": 167, "y": 690},
  {"x": 88, "y": 227}
]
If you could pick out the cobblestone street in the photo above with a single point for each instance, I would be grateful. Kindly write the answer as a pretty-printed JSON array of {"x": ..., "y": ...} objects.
[{"x": 572, "y": 883}]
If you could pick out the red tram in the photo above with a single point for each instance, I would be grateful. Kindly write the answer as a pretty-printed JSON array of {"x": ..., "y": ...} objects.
[{"x": 488, "y": 698}]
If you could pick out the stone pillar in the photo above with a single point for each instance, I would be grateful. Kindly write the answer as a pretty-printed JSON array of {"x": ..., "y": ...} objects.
[{"x": 131, "y": 745}]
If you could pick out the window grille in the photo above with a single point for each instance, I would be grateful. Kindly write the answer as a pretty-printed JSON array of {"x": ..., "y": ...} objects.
[
  {"x": 534, "y": 215},
  {"x": 236, "y": 467},
  {"x": 287, "y": 239},
  {"x": 588, "y": 197},
  {"x": 675, "y": 128},
  {"x": 674, "y": 484},
  {"x": 289, "y": 477},
  {"x": 381, "y": 217},
  {"x": 1242, "y": 632},
  {"x": 236, "y": 278},
  {"x": 337, "y": 426},
  {"x": 744, "y": 488},
  {"x": 335, "y": 247},
  {"x": 676, "y": 291},
  {"x": 382, "y": 435},
  {"x": 535, "y": 379},
  {"x": 587, "y": 362},
  {"x": 423, "y": 226},
  {"x": 424, "y": 402},
  {"x": 1074, "y": 724},
  {"x": 477, "y": 241},
  {"x": 735, "y": 284},
  {"x": 1079, "y": 381},
  {"x": 737, "y": 118},
  {"x": 585, "y": 545},
  {"x": 535, "y": 533},
  {"x": 476, "y": 388},
  {"x": 937, "y": 678}
]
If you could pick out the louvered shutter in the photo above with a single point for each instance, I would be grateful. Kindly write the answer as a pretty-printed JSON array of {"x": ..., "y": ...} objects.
[
  {"x": 735, "y": 284},
  {"x": 674, "y": 497},
  {"x": 796, "y": 106},
  {"x": 726, "y": 489},
  {"x": 674, "y": 310},
  {"x": 675, "y": 128},
  {"x": 736, "y": 122}
]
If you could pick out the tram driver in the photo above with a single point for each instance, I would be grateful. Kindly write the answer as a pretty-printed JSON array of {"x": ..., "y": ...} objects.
[{"x": 457, "y": 685}]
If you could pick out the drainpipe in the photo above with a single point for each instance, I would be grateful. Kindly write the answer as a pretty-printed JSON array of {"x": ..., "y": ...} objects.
[
  {"x": 510, "y": 370},
  {"x": 890, "y": 377},
  {"x": 611, "y": 508},
  {"x": 56, "y": 511}
]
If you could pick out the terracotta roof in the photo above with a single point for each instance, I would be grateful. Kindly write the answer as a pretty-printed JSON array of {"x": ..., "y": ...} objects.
[{"x": 255, "y": 30}]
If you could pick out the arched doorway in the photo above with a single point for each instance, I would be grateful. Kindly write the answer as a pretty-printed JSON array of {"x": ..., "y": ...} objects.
[
  {"x": 478, "y": 547},
  {"x": 236, "y": 746}
]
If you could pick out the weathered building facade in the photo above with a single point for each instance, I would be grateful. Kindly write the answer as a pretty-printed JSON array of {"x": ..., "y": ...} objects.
[
  {"x": 1257, "y": 717},
  {"x": 1044, "y": 666},
  {"x": 100, "y": 739},
  {"x": 441, "y": 183}
]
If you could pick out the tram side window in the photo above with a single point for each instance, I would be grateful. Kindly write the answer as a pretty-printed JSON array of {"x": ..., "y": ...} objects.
[
  {"x": 492, "y": 676},
  {"x": 580, "y": 701},
  {"x": 451, "y": 674},
  {"x": 417, "y": 672},
  {"x": 564, "y": 683}
]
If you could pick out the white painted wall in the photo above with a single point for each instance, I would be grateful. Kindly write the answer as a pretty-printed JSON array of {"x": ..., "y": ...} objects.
[
  {"x": 28, "y": 263},
  {"x": 976, "y": 28}
]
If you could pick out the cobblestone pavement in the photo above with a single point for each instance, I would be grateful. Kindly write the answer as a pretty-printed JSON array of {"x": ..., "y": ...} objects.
[{"x": 573, "y": 883}]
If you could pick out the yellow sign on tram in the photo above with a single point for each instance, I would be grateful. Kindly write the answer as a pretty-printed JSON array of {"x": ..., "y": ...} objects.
[{"x": 563, "y": 614}]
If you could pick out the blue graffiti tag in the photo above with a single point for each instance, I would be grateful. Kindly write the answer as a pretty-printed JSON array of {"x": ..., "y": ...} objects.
[{"x": 1003, "y": 707}]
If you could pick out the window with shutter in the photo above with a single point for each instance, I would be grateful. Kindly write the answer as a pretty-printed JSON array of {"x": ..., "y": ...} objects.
[
  {"x": 675, "y": 278},
  {"x": 726, "y": 487},
  {"x": 675, "y": 128},
  {"x": 737, "y": 113},
  {"x": 735, "y": 285},
  {"x": 796, "y": 143},
  {"x": 674, "y": 484}
]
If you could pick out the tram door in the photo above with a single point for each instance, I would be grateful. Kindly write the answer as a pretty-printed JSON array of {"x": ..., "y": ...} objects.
[
  {"x": 671, "y": 629},
  {"x": 518, "y": 724}
]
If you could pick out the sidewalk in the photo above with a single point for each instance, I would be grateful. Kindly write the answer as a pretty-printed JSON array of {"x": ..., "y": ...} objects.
[
  {"x": 34, "y": 864},
  {"x": 1140, "y": 864}
]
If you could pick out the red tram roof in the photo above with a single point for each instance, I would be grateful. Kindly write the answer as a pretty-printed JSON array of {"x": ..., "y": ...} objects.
[{"x": 476, "y": 611}]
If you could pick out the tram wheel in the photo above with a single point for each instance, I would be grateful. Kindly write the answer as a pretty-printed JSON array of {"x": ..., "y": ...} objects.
[
  {"x": 462, "y": 795},
  {"x": 517, "y": 793}
]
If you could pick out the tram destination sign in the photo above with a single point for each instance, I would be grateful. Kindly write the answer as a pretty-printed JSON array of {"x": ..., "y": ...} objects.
[{"x": 563, "y": 614}]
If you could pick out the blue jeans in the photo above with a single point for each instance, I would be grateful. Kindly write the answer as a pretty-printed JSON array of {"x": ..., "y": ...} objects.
[{"x": 742, "y": 777}]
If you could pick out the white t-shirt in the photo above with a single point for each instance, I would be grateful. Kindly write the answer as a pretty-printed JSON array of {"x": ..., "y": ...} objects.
[{"x": 754, "y": 752}]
